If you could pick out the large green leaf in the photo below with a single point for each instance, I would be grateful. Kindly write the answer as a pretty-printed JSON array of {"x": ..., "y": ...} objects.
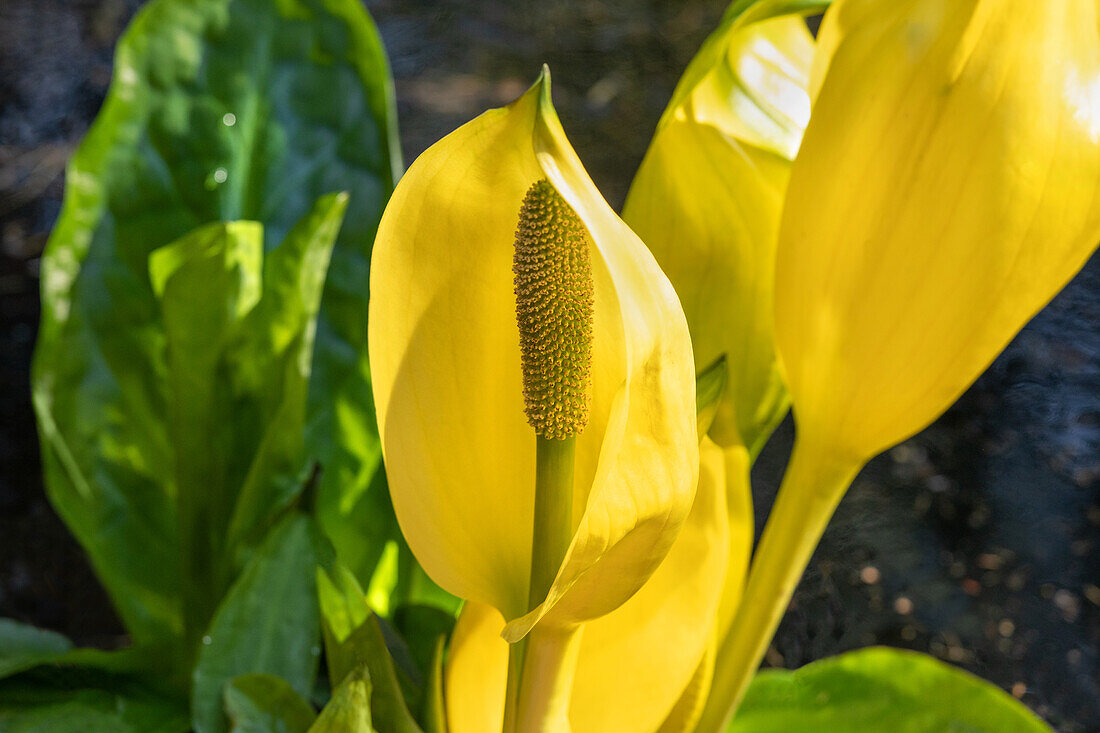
[
  {"x": 268, "y": 623},
  {"x": 219, "y": 110},
  {"x": 880, "y": 689},
  {"x": 74, "y": 702}
]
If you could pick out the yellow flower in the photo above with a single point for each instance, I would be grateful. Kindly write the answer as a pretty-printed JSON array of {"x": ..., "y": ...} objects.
[
  {"x": 446, "y": 367},
  {"x": 707, "y": 201},
  {"x": 948, "y": 185},
  {"x": 946, "y": 190},
  {"x": 634, "y": 663}
]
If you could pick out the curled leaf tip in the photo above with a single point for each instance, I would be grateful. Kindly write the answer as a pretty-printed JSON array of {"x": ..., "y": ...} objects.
[{"x": 554, "y": 310}]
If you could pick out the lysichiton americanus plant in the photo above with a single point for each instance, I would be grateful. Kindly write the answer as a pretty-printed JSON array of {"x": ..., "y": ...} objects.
[
  {"x": 535, "y": 392},
  {"x": 947, "y": 187},
  {"x": 568, "y": 403},
  {"x": 707, "y": 201}
]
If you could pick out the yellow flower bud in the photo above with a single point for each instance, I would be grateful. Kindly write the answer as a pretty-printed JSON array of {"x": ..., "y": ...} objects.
[{"x": 947, "y": 187}]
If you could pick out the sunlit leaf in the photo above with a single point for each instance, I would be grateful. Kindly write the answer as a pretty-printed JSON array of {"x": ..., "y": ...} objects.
[
  {"x": 349, "y": 710},
  {"x": 219, "y": 110},
  {"x": 880, "y": 689},
  {"x": 354, "y": 640}
]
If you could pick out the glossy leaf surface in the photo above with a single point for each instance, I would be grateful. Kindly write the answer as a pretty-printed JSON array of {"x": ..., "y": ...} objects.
[
  {"x": 219, "y": 110},
  {"x": 880, "y": 689}
]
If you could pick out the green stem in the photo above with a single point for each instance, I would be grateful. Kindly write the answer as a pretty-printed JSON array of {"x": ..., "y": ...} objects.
[
  {"x": 553, "y": 531},
  {"x": 553, "y": 514},
  {"x": 548, "y": 670},
  {"x": 812, "y": 487},
  {"x": 516, "y": 653}
]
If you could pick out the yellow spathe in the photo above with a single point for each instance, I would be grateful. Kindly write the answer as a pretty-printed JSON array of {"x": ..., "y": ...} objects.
[
  {"x": 946, "y": 189},
  {"x": 707, "y": 201},
  {"x": 708, "y": 197},
  {"x": 948, "y": 185},
  {"x": 634, "y": 663},
  {"x": 445, "y": 361}
]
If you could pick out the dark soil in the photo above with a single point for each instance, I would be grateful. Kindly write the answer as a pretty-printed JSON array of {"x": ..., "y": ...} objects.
[{"x": 977, "y": 541}]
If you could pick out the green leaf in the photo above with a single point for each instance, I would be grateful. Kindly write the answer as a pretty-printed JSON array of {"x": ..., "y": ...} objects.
[
  {"x": 433, "y": 712},
  {"x": 710, "y": 383},
  {"x": 343, "y": 609},
  {"x": 354, "y": 638},
  {"x": 219, "y": 110},
  {"x": 880, "y": 689},
  {"x": 263, "y": 703},
  {"x": 207, "y": 283},
  {"x": 239, "y": 337},
  {"x": 23, "y": 647},
  {"x": 395, "y": 578},
  {"x": 420, "y": 626},
  {"x": 349, "y": 710},
  {"x": 49, "y": 703},
  {"x": 267, "y": 623}
]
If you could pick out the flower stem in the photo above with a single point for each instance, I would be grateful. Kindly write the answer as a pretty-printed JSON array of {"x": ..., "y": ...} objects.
[
  {"x": 553, "y": 513},
  {"x": 812, "y": 487},
  {"x": 548, "y": 670},
  {"x": 541, "y": 665}
]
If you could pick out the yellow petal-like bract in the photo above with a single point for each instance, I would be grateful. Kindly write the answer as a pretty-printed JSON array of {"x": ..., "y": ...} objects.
[
  {"x": 947, "y": 187},
  {"x": 635, "y": 662},
  {"x": 445, "y": 362},
  {"x": 708, "y": 197}
]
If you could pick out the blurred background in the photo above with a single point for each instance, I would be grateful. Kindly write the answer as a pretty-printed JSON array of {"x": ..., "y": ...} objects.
[{"x": 978, "y": 541}]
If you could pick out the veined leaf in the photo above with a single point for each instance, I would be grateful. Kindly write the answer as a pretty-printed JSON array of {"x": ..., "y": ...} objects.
[
  {"x": 219, "y": 110},
  {"x": 879, "y": 689},
  {"x": 268, "y": 623},
  {"x": 238, "y": 352}
]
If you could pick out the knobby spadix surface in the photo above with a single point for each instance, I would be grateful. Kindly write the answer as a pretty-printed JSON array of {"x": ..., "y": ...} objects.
[
  {"x": 445, "y": 353},
  {"x": 947, "y": 187},
  {"x": 634, "y": 663},
  {"x": 708, "y": 197}
]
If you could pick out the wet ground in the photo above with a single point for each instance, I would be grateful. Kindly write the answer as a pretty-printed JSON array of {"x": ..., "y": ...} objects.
[{"x": 977, "y": 541}]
